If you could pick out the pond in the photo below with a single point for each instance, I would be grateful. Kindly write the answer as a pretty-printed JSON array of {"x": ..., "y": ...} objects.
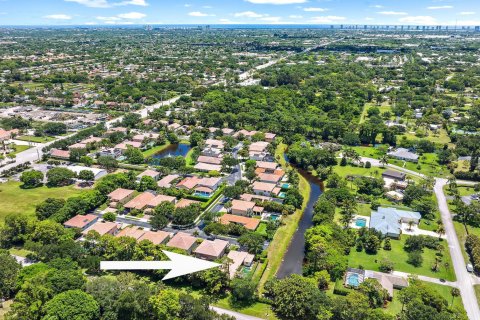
[
  {"x": 293, "y": 261},
  {"x": 173, "y": 150}
]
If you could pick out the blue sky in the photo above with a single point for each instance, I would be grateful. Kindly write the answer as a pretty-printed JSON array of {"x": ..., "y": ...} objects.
[{"x": 118, "y": 12}]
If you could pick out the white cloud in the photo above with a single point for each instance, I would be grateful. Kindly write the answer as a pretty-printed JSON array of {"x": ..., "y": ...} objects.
[
  {"x": 295, "y": 16},
  {"x": 369, "y": 19},
  {"x": 248, "y": 14},
  {"x": 106, "y": 4},
  {"x": 393, "y": 13},
  {"x": 327, "y": 19},
  {"x": 132, "y": 15},
  {"x": 439, "y": 7},
  {"x": 58, "y": 17},
  {"x": 187, "y": 5},
  {"x": 312, "y": 9},
  {"x": 377, "y": 6},
  {"x": 419, "y": 20},
  {"x": 92, "y": 3},
  {"x": 271, "y": 19},
  {"x": 200, "y": 14},
  {"x": 467, "y": 13},
  {"x": 108, "y": 18},
  {"x": 278, "y": 2}
]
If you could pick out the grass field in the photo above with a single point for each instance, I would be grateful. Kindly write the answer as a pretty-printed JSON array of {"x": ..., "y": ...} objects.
[
  {"x": 279, "y": 245},
  {"x": 260, "y": 310},
  {"x": 188, "y": 158},
  {"x": 35, "y": 139},
  {"x": 477, "y": 292},
  {"x": 16, "y": 200},
  {"x": 399, "y": 257},
  {"x": 19, "y": 148},
  {"x": 427, "y": 164},
  {"x": 440, "y": 137}
]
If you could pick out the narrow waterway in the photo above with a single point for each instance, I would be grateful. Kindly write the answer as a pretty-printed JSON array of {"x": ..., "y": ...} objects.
[{"x": 293, "y": 260}]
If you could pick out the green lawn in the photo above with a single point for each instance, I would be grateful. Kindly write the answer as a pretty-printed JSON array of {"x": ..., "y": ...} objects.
[
  {"x": 155, "y": 150},
  {"x": 17, "y": 200},
  {"x": 440, "y": 137},
  {"x": 399, "y": 257},
  {"x": 360, "y": 171},
  {"x": 19, "y": 148},
  {"x": 368, "y": 152},
  {"x": 260, "y": 310},
  {"x": 35, "y": 139},
  {"x": 395, "y": 306},
  {"x": 188, "y": 158},
  {"x": 477, "y": 292},
  {"x": 427, "y": 164},
  {"x": 262, "y": 229}
]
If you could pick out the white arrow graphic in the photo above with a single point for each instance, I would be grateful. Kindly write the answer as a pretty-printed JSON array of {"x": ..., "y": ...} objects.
[{"x": 178, "y": 265}]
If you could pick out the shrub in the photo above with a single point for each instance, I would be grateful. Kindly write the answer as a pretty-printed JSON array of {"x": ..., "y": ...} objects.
[
  {"x": 368, "y": 165},
  {"x": 415, "y": 258},
  {"x": 386, "y": 266}
]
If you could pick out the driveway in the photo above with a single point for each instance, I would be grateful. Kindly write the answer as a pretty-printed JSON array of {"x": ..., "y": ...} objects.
[
  {"x": 464, "y": 279},
  {"x": 236, "y": 315}
]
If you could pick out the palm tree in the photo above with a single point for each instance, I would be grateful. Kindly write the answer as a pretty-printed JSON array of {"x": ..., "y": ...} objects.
[
  {"x": 455, "y": 293},
  {"x": 384, "y": 160},
  {"x": 410, "y": 225},
  {"x": 440, "y": 230},
  {"x": 428, "y": 182},
  {"x": 349, "y": 209},
  {"x": 452, "y": 182}
]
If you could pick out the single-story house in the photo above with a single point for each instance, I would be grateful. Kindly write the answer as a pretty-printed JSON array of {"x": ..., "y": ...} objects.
[
  {"x": 257, "y": 155},
  {"x": 404, "y": 154},
  {"x": 140, "y": 202},
  {"x": 206, "y": 167},
  {"x": 395, "y": 175},
  {"x": 269, "y": 178},
  {"x": 265, "y": 189},
  {"x": 122, "y": 147},
  {"x": 81, "y": 221},
  {"x": 121, "y": 195},
  {"x": 248, "y": 223},
  {"x": 267, "y": 166},
  {"x": 182, "y": 203},
  {"x": 228, "y": 131},
  {"x": 132, "y": 232},
  {"x": 388, "y": 221},
  {"x": 259, "y": 146},
  {"x": 270, "y": 137},
  {"x": 149, "y": 173},
  {"x": 60, "y": 154},
  {"x": 211, "y": 250},
  {"x": 91, "y": 140},
  {"x": 242, "y": 208},
  {"x": 209, "y": 160},
  {"x": 394, "y": 195},
  {"x": 97, "y": 173},
  {"x": 239, "y": 258},
  {"x": 156, "y": 237},
  {"x": 78, "y": 146},
  {"x": 183, "y": 241},
  {"x": 102, "y": 228},
  {"x": 355, "y": 277},
  {"x": 215, "y": 144},
  {"x": 211, "y": 152},
  {"x": 159, "y": 199},
  {"x": 166, "y": 182}
]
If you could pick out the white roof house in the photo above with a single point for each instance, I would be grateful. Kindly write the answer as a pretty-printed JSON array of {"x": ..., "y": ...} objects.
[{"x": 98, "y": 173}]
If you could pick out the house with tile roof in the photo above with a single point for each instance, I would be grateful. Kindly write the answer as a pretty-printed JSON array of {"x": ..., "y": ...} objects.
[
  {"x": 211, "y": 250},
  {"x": 81, "y": 221},
  {"x": 183, "y": 241}
]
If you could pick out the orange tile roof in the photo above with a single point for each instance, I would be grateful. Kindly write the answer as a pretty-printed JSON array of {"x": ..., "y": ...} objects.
[
  {"x": 182, "y": 241},
  {"x": 155, "y": 237},
  {"x": 140, "y": 201},
  {"x": 80, "y": 221},
  {"x": 249, "y": 223},
  {"x": 132, "y": 232},
  {"x": 102, "y": 227},
  {"x": 242, "y": 205},
  {"x": 120, "y": 194},
  {"x": 161, "y": 198},
  {"x": 185, "y": 203},
  {"x": 213, "y": 248}
]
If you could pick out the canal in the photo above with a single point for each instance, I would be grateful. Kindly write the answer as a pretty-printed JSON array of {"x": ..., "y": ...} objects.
[{"x": 293, "y": 260}]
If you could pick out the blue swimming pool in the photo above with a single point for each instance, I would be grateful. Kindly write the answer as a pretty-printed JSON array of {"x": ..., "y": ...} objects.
[
  {"x": 274, "y": 217},
  {"x": 352, "y": 280},
  {"x": 285, "y": 185},
  {"x": 360, "y": 222},
  {"x": 282, "y": 195}
]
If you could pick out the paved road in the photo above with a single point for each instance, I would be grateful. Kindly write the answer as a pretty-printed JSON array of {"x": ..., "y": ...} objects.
[
  {"x": 464, "y": 279},
  {"x": 236, "y": 315}
]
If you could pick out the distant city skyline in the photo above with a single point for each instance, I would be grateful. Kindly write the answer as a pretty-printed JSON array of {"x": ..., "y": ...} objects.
[{"x": 127, "y": 12}]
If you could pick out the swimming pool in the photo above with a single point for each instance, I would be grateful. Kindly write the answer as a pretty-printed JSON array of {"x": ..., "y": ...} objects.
[
  {"x": 285, "y": 185},
  {"x": 282, "y": 195},
  {"x": 360, "y": 222},
  {"x": 352, "y": 280},
  {"x": 274, "y": 217}
]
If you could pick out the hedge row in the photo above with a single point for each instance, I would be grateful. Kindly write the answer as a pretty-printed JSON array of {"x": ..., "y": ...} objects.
[{"x": 472, "y": 244}]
